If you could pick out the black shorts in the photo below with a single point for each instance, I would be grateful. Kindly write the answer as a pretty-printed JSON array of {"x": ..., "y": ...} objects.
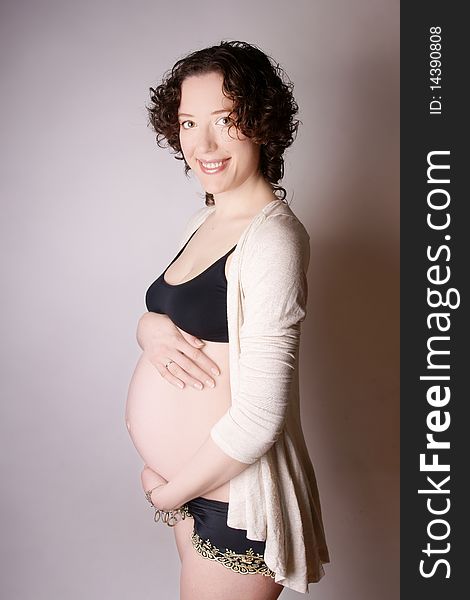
[{"x": 215, "y": 540}]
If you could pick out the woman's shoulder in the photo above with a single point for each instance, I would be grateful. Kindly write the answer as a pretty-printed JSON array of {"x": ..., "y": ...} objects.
[
  {"x": 277, "y": 226},
  {"x": 280, "y": 227},
  {"x": 279, "y": 241}
]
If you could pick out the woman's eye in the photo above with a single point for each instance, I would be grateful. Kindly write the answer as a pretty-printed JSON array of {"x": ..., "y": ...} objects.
[
  {"x": 224, "y": 120},
  {"x": 187, "y": 124}
]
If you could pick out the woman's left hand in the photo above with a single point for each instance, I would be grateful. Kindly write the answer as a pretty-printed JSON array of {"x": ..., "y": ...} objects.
[{"x": 150, "y": 479}]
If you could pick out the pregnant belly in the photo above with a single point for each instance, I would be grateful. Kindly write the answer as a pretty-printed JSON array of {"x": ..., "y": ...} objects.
[{"x": 168, "y": 424}]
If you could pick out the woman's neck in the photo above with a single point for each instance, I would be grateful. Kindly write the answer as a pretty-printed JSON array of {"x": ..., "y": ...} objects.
[{"x": 247, "y": 200}]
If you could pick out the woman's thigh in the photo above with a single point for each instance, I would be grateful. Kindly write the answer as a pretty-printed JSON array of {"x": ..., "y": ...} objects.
[{"x": 204, "y": 579}]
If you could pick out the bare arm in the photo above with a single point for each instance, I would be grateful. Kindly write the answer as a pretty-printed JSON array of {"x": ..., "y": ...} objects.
[{"x": 208, "y": 469}]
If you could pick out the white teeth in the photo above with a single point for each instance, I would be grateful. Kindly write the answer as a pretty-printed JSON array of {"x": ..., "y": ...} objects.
[{"x": 212, "y": 165}]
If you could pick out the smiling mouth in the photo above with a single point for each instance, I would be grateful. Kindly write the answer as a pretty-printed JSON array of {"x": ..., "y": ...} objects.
[{"x": 213, "y": 167}]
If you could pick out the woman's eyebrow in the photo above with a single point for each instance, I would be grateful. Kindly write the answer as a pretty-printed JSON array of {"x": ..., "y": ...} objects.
[{"x": 215, "y": 112}]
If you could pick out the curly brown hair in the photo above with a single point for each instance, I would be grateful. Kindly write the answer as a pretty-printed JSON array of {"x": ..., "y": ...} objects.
[{"x": 263, "y": 104}]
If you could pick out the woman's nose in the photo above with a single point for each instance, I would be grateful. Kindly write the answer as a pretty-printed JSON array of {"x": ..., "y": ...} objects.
[{"x": 206, "y": 141}]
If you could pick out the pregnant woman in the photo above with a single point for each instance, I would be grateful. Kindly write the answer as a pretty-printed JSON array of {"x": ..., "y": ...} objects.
[{"x": 213, "y": 404}]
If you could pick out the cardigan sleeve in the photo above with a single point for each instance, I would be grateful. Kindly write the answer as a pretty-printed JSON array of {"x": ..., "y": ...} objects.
[{"x": 274, "y": 290}]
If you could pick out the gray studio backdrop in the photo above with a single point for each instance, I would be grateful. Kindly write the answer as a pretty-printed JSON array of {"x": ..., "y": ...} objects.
[{"x": 91, "y": 211}]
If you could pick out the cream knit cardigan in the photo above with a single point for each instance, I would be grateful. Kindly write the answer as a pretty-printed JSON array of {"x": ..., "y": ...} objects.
[{"x": 275, "y": 499}]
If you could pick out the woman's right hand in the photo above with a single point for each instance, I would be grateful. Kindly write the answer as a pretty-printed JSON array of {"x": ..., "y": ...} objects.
[{"x": 161, "y": 341}]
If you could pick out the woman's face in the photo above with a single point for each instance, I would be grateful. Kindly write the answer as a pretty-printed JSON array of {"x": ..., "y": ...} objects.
[{"x": 221, "y": 162}]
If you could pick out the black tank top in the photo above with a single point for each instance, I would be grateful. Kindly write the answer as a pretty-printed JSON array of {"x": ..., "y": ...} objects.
[{"x": 198, "y": 306}]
